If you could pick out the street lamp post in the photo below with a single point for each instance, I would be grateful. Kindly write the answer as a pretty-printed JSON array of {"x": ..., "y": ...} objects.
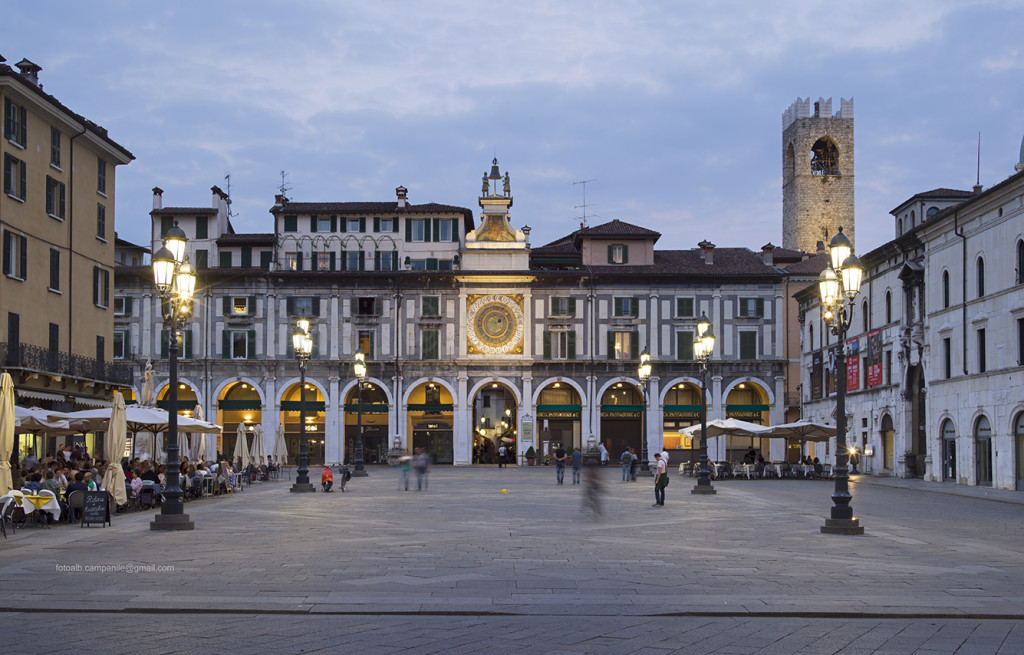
[
  {"x": 302, "y": 344},
  {"x": 175, "y": 279},
  {"x": 644, "y": 373},
  {"x": 359, "y": 369},
  {"x": 703, "y": 346},
  {"x": 839, "y": 285}
]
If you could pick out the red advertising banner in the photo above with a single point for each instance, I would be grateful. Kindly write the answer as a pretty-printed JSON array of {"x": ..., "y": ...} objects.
[
  {"x": 873, "y": 359},
  {"x": 852, "y": 364}
]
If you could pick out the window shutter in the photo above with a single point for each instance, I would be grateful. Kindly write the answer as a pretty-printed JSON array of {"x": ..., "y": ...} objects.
[
  {"x": 24, "y": 127},
  {"x": 426, "y": 229},
  {"x": 376, "y": 223},
  {"x": 225, "y": 344},
  {"x": 334, "y": 261},
  {"x": 289, "y": 304},
  {"x": 128, "y": 306},
  {"x": 24, "y": 189},
  {"x": 634, "y": 307},
  {"x": 634, "y": 345},
  {"x": 316, "y": 305},
  {"x": 437, "y": 230},
  {"x": 353, "y": 306},
  {"x": 252, "y": 305},
  {"x": 362, "y": 261},
  {"x": 227, "y": 306},
  {"x": 247, "y": 257},
  {"x": 312, "y": 223},
  {"x": 298, "y": 260},
  {"x": 378, "y": 306},
  {"x": 547, "y": 344},
  {"x": 376, "y": 260},
  {"x": 572, "y": 308},
  {"x": 408, "y": 230},
  {"x": 61, "y": 188},
  {"x": 362, "y": 224},
  {"x": 106, "y": 288},
  {"x": 344, "y": 260},
  {"x": 334, "y": 223},
  {"x": 625, "y": 254},
  {"x": 164, "y": 350},
  {"x": 611, "y": 345},
  {"x": 188, "y": 343},
  {"x": 250, "y": 344},
  {"x": 265, "y": 258},
  {"x": 684, "y": 346},
  {"x": 760, "y": 306},
  {"x": 95, "y": 285},
  {"x": 617, "y": 306},
  {"x": 611, "y": 255},
  {"x": 455, "y": 230},
  {"x": 49, "y": 195},
  {"x": 572, "y": 344},
  {"x": 394, "y": 225}
]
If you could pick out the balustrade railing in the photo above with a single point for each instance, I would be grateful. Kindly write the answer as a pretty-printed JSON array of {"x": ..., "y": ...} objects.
[{"x": 44, "y": 360}]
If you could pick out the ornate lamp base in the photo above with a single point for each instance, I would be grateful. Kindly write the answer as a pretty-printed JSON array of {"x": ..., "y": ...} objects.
[
  {"x": 172, "y": 522},
  {"x": 842, "y": 526},
  {"x": 302, "y": 488},
  {"x": 705, "y": 489}
]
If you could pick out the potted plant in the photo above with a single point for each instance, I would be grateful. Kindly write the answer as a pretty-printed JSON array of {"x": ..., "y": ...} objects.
[{"x": 531, "y": 454}]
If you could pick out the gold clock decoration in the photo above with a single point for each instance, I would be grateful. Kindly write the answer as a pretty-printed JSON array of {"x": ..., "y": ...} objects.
[{"x": 495, "y": 325}]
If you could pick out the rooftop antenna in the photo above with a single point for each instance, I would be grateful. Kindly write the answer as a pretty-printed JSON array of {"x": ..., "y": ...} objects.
[
  {"x": 285, "y": 187},
  {"x": 977, "y": 180},
  {"x": 583, "y": 219},
  {"x": 227, "y": 183}
]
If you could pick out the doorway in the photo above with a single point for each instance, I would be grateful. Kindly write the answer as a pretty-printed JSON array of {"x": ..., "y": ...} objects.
[
  {"x": 948, "y": 451},
  {"x": 888, "y": 444},
  {"x": 983, "y": 451}
]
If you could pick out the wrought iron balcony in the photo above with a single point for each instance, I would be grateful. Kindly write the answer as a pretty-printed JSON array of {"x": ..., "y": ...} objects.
[{"x": 52, "y": 362}]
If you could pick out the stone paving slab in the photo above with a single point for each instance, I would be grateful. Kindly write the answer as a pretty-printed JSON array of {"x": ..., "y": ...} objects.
[{"x": 753, "y": 552}]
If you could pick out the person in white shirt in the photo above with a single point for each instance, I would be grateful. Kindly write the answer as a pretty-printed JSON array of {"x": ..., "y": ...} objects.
[{"x": 660, "y": 480}]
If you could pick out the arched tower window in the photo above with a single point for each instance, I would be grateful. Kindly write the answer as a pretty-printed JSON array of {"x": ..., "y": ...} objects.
[
  {"x": 864, "y": 315},
  {"x": 945, "y": 289},
  {"x": 1020, "y": 263},
  {"x": 789, "y": 164},
  {"x": 899, "y": 227},
  {"x": 888, "y": 307},
  {"x": 913, "y": 218},
  {"x": 824, "y": 157},
  {"x": 981, "y": 277},
  {"x": 932, "y": 211}
]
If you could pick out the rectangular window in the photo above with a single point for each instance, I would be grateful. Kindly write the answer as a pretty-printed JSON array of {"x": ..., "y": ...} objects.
[
  {"x": 947, "y": 357},
  {"x": 323, "y": 224},
  {"x": 15, "y": 255},
  {"x": 418, "y": 227},
  {"x": 353, "y": 261},
  {"x": 352, "y": 224},
  {"x": 291, "y": 223},
  {"x": 240, "y": 306},
  {"x": 365, "y": 339},
  {"x": 444, "y": 230},
  {"x": 122, "y": 306},
  {"x": 101, "y": 221},
  {"x": 291, "y": 261},
  {"x": 684, "y": 345},
  {"x": 418, "y": 264},
  {"x": 55, "y": 198},
  {"x": 15, "y": 123},
  {"x": 618, "y": 253},
  {"x": 751, "y": 307},
  {"x": 626, "y": 307},
  {"x": 55, "y": 147},
  {"x": 386, "y": 225},
  {"x": 388, "y": 261},
  {"x": 265, "y": 258},
  {"x": 14, "y": 177},
  {"x": 622, "y": 345},
  {"x": 202, "y": 259},
  {"x": 239, "y": 344},
  {"x": 100, "y": 287},
  {"x": 307, "y": 306},
  {"x": 225, "y": 259},
  {"x": 563, "y": 344},
  {"x": 101, "y": 349},
  {"x": 54, "y": 338},
  {"x": 101, "y": 176},
  {"x": 430, "y": 306},
  {"x": 321, "y": 261},
  {"x": 166, "y": 223},
  {"x": 748, "y": 345},
  {"x": 563, "y": 306},
  {"x": 430, "y": 344},
  {"x": 365, "y": 306},
  {"x": 684, "y": 307},
  {"x": 202, "y": 227},
  {"x": 982, "y": 362},
  {"x": 54, "y": 269},
  {"x": 120, "y": 344}
]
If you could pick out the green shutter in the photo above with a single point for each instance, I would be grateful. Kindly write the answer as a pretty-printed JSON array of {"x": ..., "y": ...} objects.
[
  {"x": 334, "y": 223},
  {"x": 128, "y": 306},
  {"x": 611, "y": 345},
  {"x": 437, "y": 229},
  {"x": 617, "y": 307},
  {"x": 342, "y": 224},
  {"x": 634, "y": 306},
  {"x": 316, "y": 305},
  {"x": 408, "y": 230},
  {"x": 760, "y": 306},
  {"x": 376, "y": 223},
  {"x": 252, "y": 305},
  {"x": 572, "y": 308},
  {"x": 312, "y": 223},
  {"x": 298, "y": 260},
  {"x": 547, "y": 344},
  {"x": 164, "y": 350},
  {"x": 289, "y": 307},
  {"x": 344, "y": 260},
  {"x": 611, "y": 255},
  {"x": 362, "y": 261},
  {"x": 226, "y": 303},
  {"x": 250, "y": 345},
  {"x": 362, "y": 224},
  {"x": 426, "y": 230},
  {"x": 394, "y": 224},
  {"x": 634, "y": 345},
  {"x": 225, "y": 344},
  {"x": 455, "y": 230},
  {"x": 625, "y": 254},
  {"x": 334, "y": 261},
  {"x": 376, "y": 259},
  {"x": 291, "y": 223},
  {"x": 572, "y": 344},
  {"x": 188, "y": 343}
]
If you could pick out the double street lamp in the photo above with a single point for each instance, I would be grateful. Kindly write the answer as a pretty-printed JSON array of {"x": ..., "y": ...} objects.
[
  {"x": 359, "y": 370},
  {"x": 175, "y": 280},
  {"x": 703, "y": 346},
  {"x": 302, "y": 344},
  {"x": 643, "y": 372},
  {"x": 839, "y": 285}
]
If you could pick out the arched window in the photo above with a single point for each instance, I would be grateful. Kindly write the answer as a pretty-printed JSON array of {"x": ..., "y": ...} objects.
[
  {"x": 932, "y": 211},
  {"x": 899, "y": 227},
  {"x": 888, "y": 307},
  {"x": 824, "y": 157},
  {"x": 913, "y": 218},
  {"x": 1020, "y": 262},
  {"x": 864, "y": 314},
  {"x": 789, "y": 164},
  {"x": 981, "y": 277},
  {"x": 945, "y": 289},
  {"x": 810, "y": 336}
]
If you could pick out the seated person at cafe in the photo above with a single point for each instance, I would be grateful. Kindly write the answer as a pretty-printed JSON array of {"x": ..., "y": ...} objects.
[
  {"x": 750, "y": 457},
  {"x": 759, "y": 466},
  {"x": 33, "y": 482},
  {"x": 50, "y": 484}
]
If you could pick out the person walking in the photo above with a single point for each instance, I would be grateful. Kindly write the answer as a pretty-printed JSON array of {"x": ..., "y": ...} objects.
[
  {"x": 577, "y": 465},
  {"x": 634, "y": 464},
  {"x": 660, "y": 480},
  {"x": 501, "y": 455},
  {"x": 626, "y": 459},
  {"x": 404, "y": 464},
  {"x": 604, "y": 453},
  {"x": 421, "y": 460},
  {"x": 559, "y": 463}
]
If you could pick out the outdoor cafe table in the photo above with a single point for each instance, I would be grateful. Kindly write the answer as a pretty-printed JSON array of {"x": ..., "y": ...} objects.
[
  {"x": 31, "y": 503},
  {"x": 745, "y": 469}
]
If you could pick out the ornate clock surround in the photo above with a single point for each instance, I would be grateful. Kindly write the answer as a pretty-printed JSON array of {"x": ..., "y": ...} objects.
[{"x": 494, "y": 324}]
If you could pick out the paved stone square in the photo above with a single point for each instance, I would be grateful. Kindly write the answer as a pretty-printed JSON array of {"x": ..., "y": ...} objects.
[{"x": 462, "y": 567}]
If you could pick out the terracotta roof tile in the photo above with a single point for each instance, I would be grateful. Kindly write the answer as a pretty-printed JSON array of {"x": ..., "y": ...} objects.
[
  {"x": 256, "y": 239},
  {"x": 184, "y": 211},
  {"x": 617, "y": 228}
]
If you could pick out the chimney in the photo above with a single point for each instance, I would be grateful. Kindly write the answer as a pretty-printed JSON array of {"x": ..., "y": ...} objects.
[
  {"x": 767, "y": 251},
  {"x": 402, "y": 194},
  {"x": 819, "y": 248},
  {"x": 158, "y": 198},
  {"x": 218, "y": 195},
  {"x": 977, "y": 189},
  {"x": 280, "y": 200},
  {"x": 707, "y": 252},
  {"x": 29, "y": 71}
]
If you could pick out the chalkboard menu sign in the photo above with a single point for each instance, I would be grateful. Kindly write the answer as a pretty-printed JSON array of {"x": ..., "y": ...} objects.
[{"x": 96, "y": 508}]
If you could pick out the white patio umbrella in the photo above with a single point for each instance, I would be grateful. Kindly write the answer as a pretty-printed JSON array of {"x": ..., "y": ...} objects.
[
  {"x": 803, "y": 431},
  {"x": 138, "y": 419},
  {"x": 113, "y": 446},
  {"x": 727, "y": 427},
  {"x": 280, "y": 447},
  {"x": 241, "y": 451},
  {"x": 37, "y": 419},
  {"x": 6, "y": 431},
  {"x": 259, "y": 449}
]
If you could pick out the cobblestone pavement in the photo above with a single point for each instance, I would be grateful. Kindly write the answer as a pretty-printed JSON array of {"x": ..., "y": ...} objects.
[{"x": 464, "y": 568}]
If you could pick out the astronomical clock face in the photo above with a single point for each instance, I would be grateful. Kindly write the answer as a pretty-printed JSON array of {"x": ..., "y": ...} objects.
[{"x": 495, "y": 325}]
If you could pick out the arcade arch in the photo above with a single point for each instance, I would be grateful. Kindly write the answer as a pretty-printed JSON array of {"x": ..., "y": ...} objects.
[
  {"x": 430, "y": 419},
  {"x": 238, "y": 402},
  {"x": 622, "y": 405},
  {"x": 373, "y": 417},
  {"x": 681, "y": 409},
  {"x": 495, "y": 421},
  {"x": 559, "y": 408},
  {"x": 750, "y": 401},
  {"x": 291, "y": 419}
]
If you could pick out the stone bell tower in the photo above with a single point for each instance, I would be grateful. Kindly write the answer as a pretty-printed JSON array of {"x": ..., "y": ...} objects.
[{"x": 817, "y": 173}]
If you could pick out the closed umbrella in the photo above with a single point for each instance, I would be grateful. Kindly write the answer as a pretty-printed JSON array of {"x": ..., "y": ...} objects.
[
  {"x": 113, "y": 446},
  {"x": 6, "y": 431},
  {"x": 148, "y": 395},
  {"x": 259, "y": 449},
  {"x": 280, "y": 447},
  {"x": 241, "y": 452}
]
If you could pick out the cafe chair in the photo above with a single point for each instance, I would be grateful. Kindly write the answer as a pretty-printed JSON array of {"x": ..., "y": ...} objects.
[
  {"x": 7, "y": 515},
  {"x": 76, "y": 501},
  {"x": 147, "y": 496}
]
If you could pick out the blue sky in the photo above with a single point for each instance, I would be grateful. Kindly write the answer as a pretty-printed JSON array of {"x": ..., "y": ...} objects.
[{"x": 672, "y": 108}]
